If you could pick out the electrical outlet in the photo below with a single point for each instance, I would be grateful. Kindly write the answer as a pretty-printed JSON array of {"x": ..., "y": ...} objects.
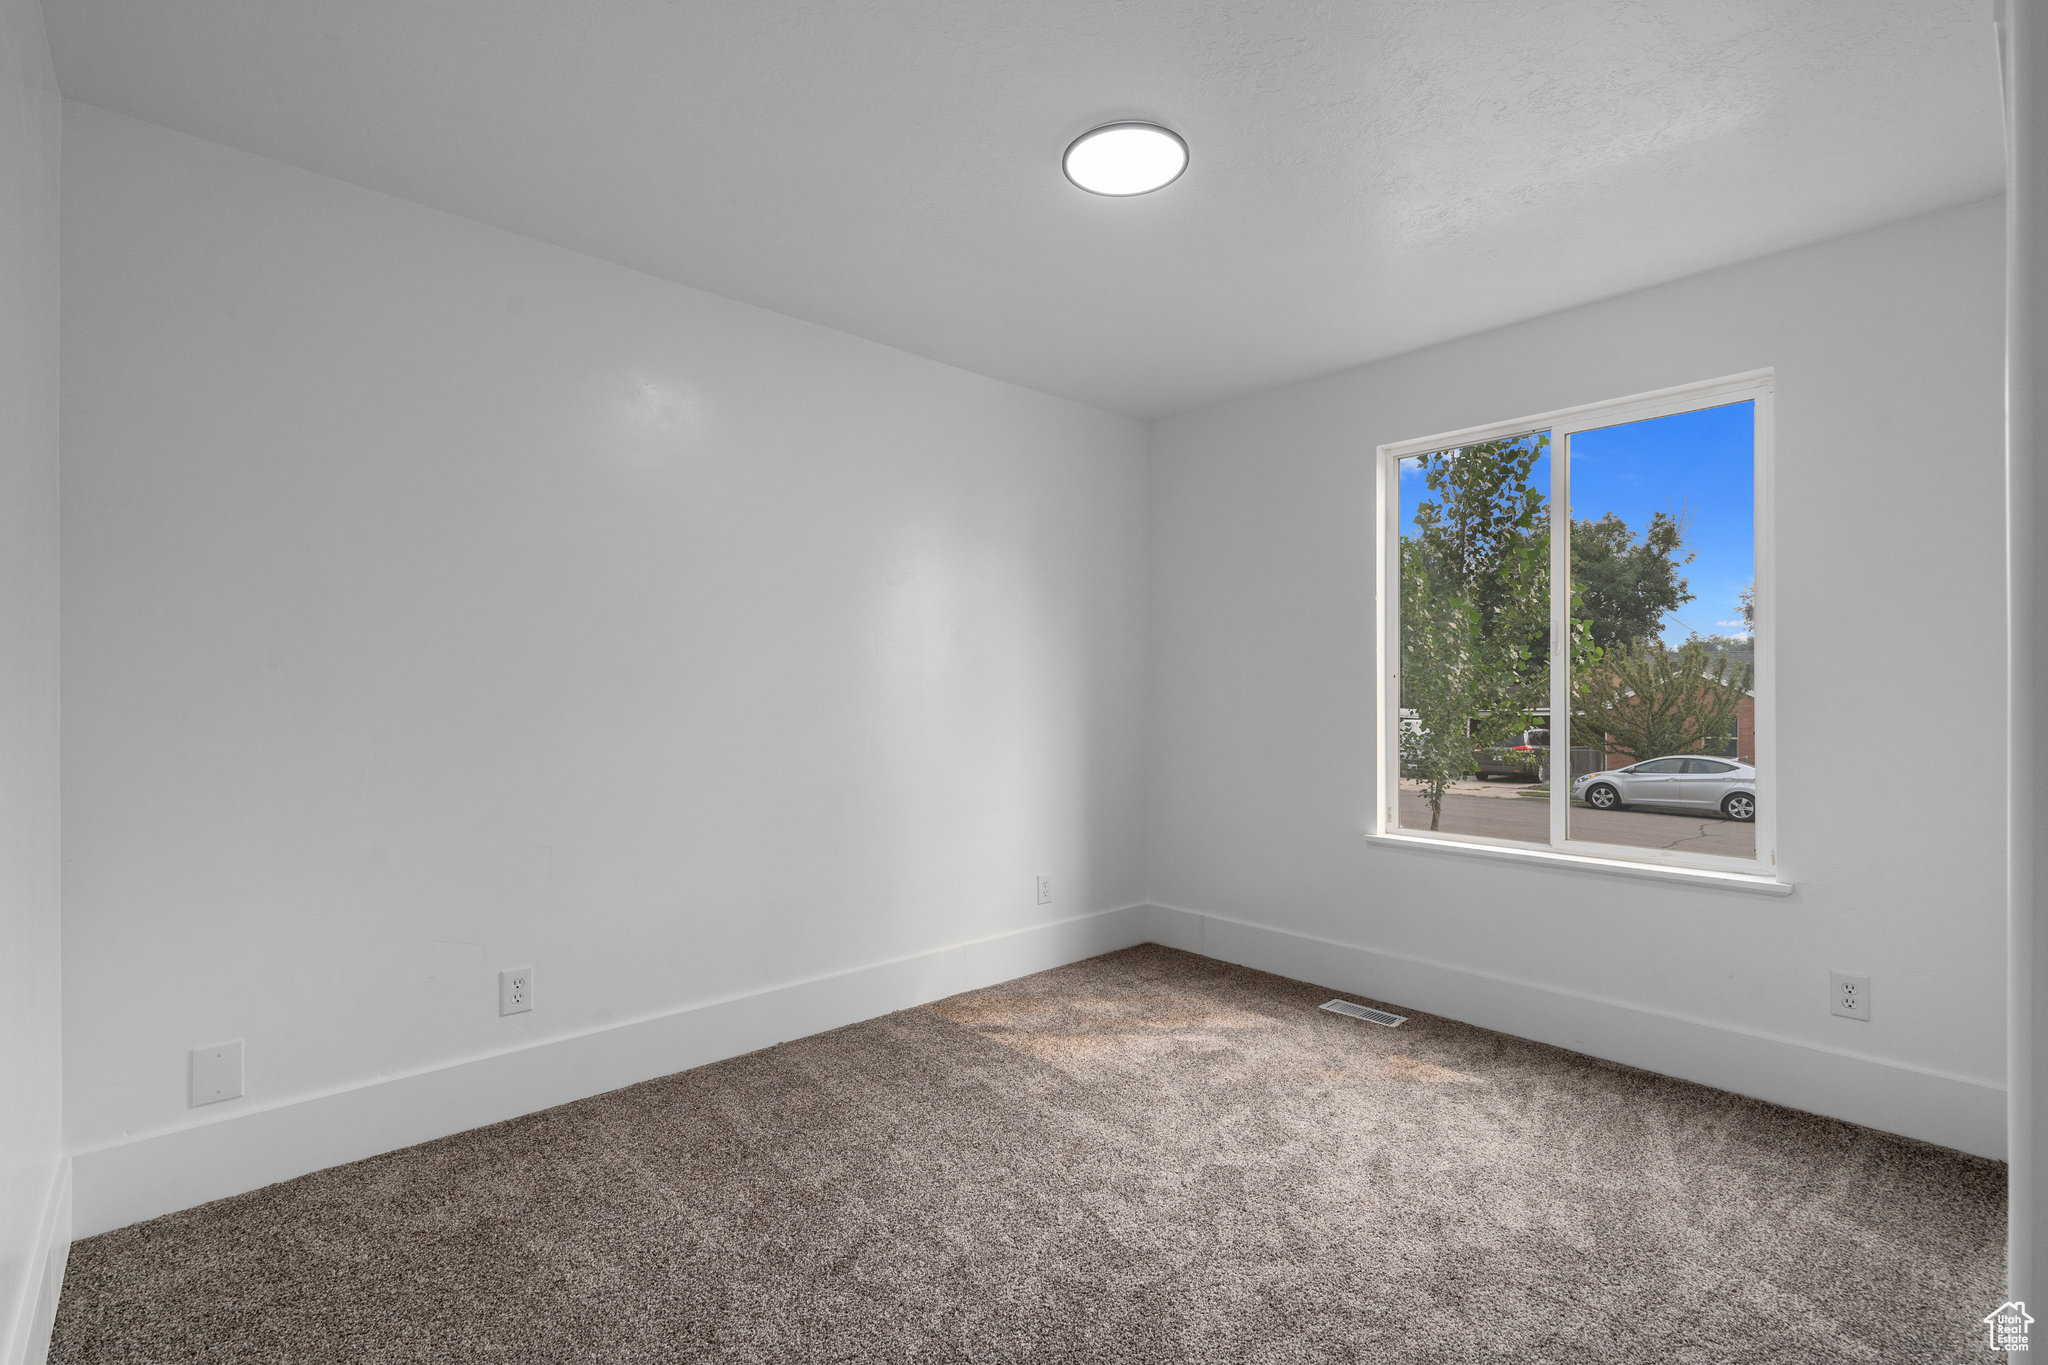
[
  {"x": 1045, "y": 889},
  {"x": 1850, "y": 995},
  {"x": 515, "y": 990},
  {"x": 216, "y": 1073}
]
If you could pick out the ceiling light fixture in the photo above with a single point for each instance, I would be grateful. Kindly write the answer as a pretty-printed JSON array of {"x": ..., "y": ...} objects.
[{"x": 1122, "y": 159}]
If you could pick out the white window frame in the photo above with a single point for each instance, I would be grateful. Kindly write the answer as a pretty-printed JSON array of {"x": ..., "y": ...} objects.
[{"x": 1756, "y": 387}]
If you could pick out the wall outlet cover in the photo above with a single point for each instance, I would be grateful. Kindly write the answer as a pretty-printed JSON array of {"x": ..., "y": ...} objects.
[
  {"x": 515, "y": 990},
  {"x": 216, "y": 1073},
  {"x": 1045, "y": 889},
  {"x": 1849, "y": 996}
]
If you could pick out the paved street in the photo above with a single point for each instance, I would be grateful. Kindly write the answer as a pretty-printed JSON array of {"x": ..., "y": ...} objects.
[{"x": 1500, "y": 810}]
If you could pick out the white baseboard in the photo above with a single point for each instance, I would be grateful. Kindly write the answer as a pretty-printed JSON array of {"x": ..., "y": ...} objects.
[
  {"x": 1953, "y": 1111},
  {"x": 145, "y": 1176},
  {"x": 148, "y": 1175},
  {"x": 28, "y": 1343}
]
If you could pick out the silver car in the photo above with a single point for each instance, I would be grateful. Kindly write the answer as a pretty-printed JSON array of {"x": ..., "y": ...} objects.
[{"x": 1686, "y": 781}]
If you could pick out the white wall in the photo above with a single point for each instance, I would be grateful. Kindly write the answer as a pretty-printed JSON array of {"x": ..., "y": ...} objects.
[
  {"x": 438, "y": 601},
  {"x": 32, "y": 1204},
  {"x": 1887, "y": 349},
  {"x": 2023, "y": 54}
]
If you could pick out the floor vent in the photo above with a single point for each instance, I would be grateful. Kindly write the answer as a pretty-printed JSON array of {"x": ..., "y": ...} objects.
[{"x": 1346, "y": 1008}]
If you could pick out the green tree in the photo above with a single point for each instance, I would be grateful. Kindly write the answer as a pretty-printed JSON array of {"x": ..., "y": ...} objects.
[
  {"x": 1475, "y": 582},
  {"x": 1645, "y": 701},
  {"x": 1625, "y": 586},
  {"x": 1737, "y": 649}
]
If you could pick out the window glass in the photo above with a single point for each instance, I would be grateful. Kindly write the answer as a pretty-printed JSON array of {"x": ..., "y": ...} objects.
[
  {"x": 1574, "y": 600},
  {"x": 1662, "y": 661},
  {"x": 1474, "y": 612}
]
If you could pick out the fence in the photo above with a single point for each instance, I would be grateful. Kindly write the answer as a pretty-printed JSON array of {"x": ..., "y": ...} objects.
[{"x": 1593, "y": 760}]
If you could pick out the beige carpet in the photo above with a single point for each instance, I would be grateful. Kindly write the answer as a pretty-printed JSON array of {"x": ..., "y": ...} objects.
[{"x": 1145, "y": 1157}]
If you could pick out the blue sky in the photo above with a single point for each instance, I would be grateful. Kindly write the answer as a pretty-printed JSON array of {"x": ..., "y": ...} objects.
[{"x": 1702, "y": 461}]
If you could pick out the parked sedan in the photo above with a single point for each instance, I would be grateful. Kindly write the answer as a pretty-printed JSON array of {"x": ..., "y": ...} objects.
[{"x": 1686, "y": 781}]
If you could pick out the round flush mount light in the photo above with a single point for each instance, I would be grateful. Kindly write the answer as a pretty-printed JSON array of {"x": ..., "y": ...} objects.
[{"x": 1122, "y": 159}]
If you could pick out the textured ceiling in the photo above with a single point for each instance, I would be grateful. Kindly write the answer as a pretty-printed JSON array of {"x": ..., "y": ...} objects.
[{"x": 1367, "y": 177}]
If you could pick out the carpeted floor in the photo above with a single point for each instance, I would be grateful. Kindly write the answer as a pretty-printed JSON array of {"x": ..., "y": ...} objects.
[{"x": 1145, "y": 1157}]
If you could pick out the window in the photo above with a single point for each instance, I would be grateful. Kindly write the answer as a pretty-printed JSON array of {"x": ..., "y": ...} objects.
[{"x": 1634, "y": 630}]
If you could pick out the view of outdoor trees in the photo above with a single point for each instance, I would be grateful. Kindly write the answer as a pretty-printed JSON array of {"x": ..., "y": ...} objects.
[
  {"x": 1662, "y": 658},
  {"x": 1641, "y": 699},
  {"x": 1475, "y": 609}
]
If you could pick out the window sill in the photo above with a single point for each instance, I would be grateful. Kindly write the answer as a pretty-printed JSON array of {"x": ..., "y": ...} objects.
[{"x": 1755, "y": 884}]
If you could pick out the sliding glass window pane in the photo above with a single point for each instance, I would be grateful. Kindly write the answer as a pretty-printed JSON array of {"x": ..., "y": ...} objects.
[
  {"x": 1663, "y": 565},
  {"x": 1475, "y": 640}
]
